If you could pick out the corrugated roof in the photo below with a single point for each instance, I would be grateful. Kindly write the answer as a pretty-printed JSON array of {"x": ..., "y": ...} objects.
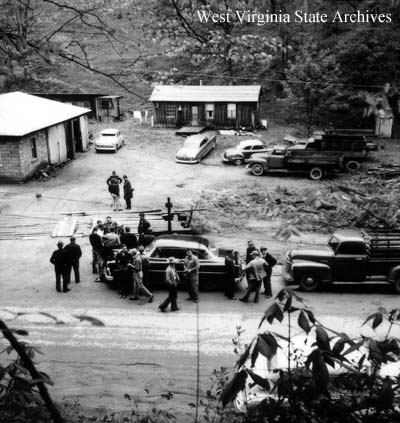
[
  {"x": 21, "y": 113},
  {"x": 206, "y": 93}
]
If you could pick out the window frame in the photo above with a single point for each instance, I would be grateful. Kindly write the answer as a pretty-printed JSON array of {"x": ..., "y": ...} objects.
[
  {"x": 33, "y": 146},
  {"x": 231, "y": 110}
]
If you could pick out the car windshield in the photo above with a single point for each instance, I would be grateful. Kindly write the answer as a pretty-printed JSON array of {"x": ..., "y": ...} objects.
[{"x": 333, "y": 243}]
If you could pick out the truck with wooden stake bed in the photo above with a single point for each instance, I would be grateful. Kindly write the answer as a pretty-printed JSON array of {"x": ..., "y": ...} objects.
[
  {"x": 350, "y": 256},
  {"x": 296, "y": 159}
]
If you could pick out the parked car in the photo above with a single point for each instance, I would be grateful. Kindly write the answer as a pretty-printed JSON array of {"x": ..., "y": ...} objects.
[
  {"x": 350, "y": 256},
  {"x": 109, "y": 139},
  {"x": 196, "y": 147},
  {"x": 243, "y": 151},
  {"x": 296, "y": 159},
  {"x": 212, "y": 265}
]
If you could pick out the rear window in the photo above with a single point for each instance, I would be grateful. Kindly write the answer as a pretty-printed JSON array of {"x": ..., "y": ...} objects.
[{"x": 108, "y": 135}]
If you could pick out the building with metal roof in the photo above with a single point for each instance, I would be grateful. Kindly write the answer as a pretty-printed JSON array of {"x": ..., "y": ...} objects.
[
  {"x": 216, "y": 106},
  {"x": 35, "y": 131}
]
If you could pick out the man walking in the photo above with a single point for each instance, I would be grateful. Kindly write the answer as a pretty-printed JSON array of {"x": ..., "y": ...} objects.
[
  {"x": 145, "y": 267},
  {"x": 97, "y": 251},
  {"x": 172, "y": 280},
  {"x": 138, "y": 278},
  {"x": 59, "y": 260},
  {"x": 271, "y": 260},
  {"x": 230, "y": 275},
  {"x": 128, "y": 190},
  {"x": 256, "y": 273},
  {"x": 192, "y": 266}
]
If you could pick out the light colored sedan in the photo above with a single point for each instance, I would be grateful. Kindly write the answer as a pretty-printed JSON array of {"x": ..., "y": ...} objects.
[
  {"x": 243, "y": 151},
  {"x": 196, "y": 147},
  {"x": 109, "y": 139}
]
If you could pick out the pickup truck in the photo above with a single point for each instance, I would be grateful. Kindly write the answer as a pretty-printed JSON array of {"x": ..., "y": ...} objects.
[
  {"x": 350, "y": 256},
  {"x": 295, "y": 159},
  {"x": 355, "y": 148}
]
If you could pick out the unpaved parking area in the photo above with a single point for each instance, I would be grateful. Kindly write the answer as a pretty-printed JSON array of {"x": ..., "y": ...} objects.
[{"x": 141, "y": 352}]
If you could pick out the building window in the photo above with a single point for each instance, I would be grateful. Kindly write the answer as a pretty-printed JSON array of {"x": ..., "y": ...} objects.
[
  {"x": 33, "y": 148},
  {"x": 170, "y": 110},
  {"x": 209, "y": 111},
  {"x": 106, "y": 104},
  {"x": 231, "y": 110}
]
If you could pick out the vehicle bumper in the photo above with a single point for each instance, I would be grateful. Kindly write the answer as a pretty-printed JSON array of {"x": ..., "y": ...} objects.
[
  {"x": 226, "y": 159},
  {"x": 187, "y": 161},
  {"x": 105, "y": 147}
]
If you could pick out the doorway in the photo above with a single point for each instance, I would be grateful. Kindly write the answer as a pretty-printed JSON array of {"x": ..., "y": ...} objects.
[{"x": 195, "y": 115}]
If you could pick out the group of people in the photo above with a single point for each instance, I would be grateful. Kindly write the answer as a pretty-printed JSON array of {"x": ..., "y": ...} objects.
[
  {"x": 64, "y": 259},
  {"x": 259, "y": 264},
  {"x": 113, "y": 183}
]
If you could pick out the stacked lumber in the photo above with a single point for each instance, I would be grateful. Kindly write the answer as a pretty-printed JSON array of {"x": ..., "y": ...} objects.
[{"x": 14, "y": 226}]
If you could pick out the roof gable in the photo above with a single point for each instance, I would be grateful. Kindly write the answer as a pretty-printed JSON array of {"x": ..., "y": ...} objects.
[
  {"x": 206, "y": 93},
  {"x": 21, "y": 114}
]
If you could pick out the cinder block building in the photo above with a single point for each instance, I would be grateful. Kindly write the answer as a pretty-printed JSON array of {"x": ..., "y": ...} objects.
[{"x": 35, "y": 131}]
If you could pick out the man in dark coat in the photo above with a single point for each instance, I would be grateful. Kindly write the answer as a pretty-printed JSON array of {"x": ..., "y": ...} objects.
[
  {"x": 60, "y": 260},
  {"x": 230, "y": 275},
  {"x": 147, "y": 238},
  {"x": 124, "y": 262},
  {"x": 97, "y": 252},
  {"x": 144, "y": 225},
  {"x": 192, "y": 266},
  {"x": 74, "y": 253},
  {"x": 128, "y": 190},
  {"x": 129, "y": 239},
  {"x": 113, "y": 182},
  {"x": 271, "y": 260}
]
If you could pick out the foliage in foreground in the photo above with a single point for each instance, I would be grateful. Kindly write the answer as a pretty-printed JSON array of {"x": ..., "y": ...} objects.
[{"x": 307, "y": 389}]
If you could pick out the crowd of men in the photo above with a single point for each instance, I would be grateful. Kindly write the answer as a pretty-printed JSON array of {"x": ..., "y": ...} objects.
[{"x": 130, "y": 270}]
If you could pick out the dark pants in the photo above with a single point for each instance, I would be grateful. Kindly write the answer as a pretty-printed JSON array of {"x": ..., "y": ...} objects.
[
  {"x": 230, "y": 286},
  {"x": 61, "y": 274},
  {"x": 253, "y": 286},
  {"x": 74, "y": 265},
  {"x": 192, "y": 283},
  {"x": 267, "y": 284},
  {"x": 124, "y": 281},
  {"x": 171, "y": 299},
  {"x": 128, "y": 202}
]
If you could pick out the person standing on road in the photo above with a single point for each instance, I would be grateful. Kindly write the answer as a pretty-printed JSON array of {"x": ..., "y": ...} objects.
[
  {"x": 113, "y": 188},
  {"x": 97, "y": 252},
  {"x": 59, "y": 260},
  {"x": 128, "y": 191},
  {"x": 74, "y": 253},
  {"x": 250, "y": 248},
  {"x": 138, "y": 286},
  {"x": 143, "y": 226},
  {"x": 124, "y": 262},
  {"x": 110, "y": 241},
  {"x": 145, "y": 267},
  {"x": 192, "y": 266},
  {"x": 271, "y": 260},
  {"x": 230, "y": 275},
  {"x": 172, "y": 280},
  {"x": 257, "y": 271}
]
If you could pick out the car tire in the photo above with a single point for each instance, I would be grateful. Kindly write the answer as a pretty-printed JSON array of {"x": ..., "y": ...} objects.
[
  {"x": 96, "y": 150},
  {"x": 238, "y": 162},
  {"x": 316, "y": 173},
  {"x": 115, "y": 148},
  {"x": 397, "y": 285},
  {"x": 352, "y": 166},
  {"x": 309, "y": 282},
  {"x": 257, "y": 169}
]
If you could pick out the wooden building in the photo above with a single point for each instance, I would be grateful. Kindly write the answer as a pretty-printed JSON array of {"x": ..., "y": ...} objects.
[
  {"x": 35, "y": 131},
  {"x": 103, "y": 107},
  {"x": 215, "y": 106}
]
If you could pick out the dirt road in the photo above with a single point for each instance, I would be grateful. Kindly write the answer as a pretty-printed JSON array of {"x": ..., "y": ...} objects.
[{"x": 140, "y": 352}]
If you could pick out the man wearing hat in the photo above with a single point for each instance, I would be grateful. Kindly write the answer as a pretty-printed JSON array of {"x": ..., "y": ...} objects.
[
  {"x": 59, "y": 260},
  {"x": 74, "y": 254},
  {"x": 138, "y": 278},
  {"x": 230, "y": 275},
  {"x": 271, "y": 260},
  {"x": 128, "y": 190},
  {"x": 256, "y": 268},
  {"x": 172, "y": 280}
]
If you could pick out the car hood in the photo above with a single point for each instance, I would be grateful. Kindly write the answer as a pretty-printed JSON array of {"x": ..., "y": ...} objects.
[
  {"x": 311, "y": 253},
  {"x": 187, "y": 153},
  {"x": 233, "y": 152}
]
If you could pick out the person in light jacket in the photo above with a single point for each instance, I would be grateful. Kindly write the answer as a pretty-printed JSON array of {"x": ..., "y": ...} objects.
[{"x": 172, "y": 280}]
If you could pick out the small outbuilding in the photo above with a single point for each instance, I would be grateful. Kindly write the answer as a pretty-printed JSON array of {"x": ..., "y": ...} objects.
[
  {"x": 35, "y": 131},
  {"x": 215, "y": 106}
]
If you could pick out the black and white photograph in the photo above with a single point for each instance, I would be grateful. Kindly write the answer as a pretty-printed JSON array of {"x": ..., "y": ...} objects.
[{"x": 200, "y": 211}]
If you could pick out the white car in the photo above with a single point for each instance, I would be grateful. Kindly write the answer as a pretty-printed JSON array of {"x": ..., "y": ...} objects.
[
  {"x": 196, "y": 147},
  {"x": 243, "y": 151},
  {"x": 109, "y": 140}
]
